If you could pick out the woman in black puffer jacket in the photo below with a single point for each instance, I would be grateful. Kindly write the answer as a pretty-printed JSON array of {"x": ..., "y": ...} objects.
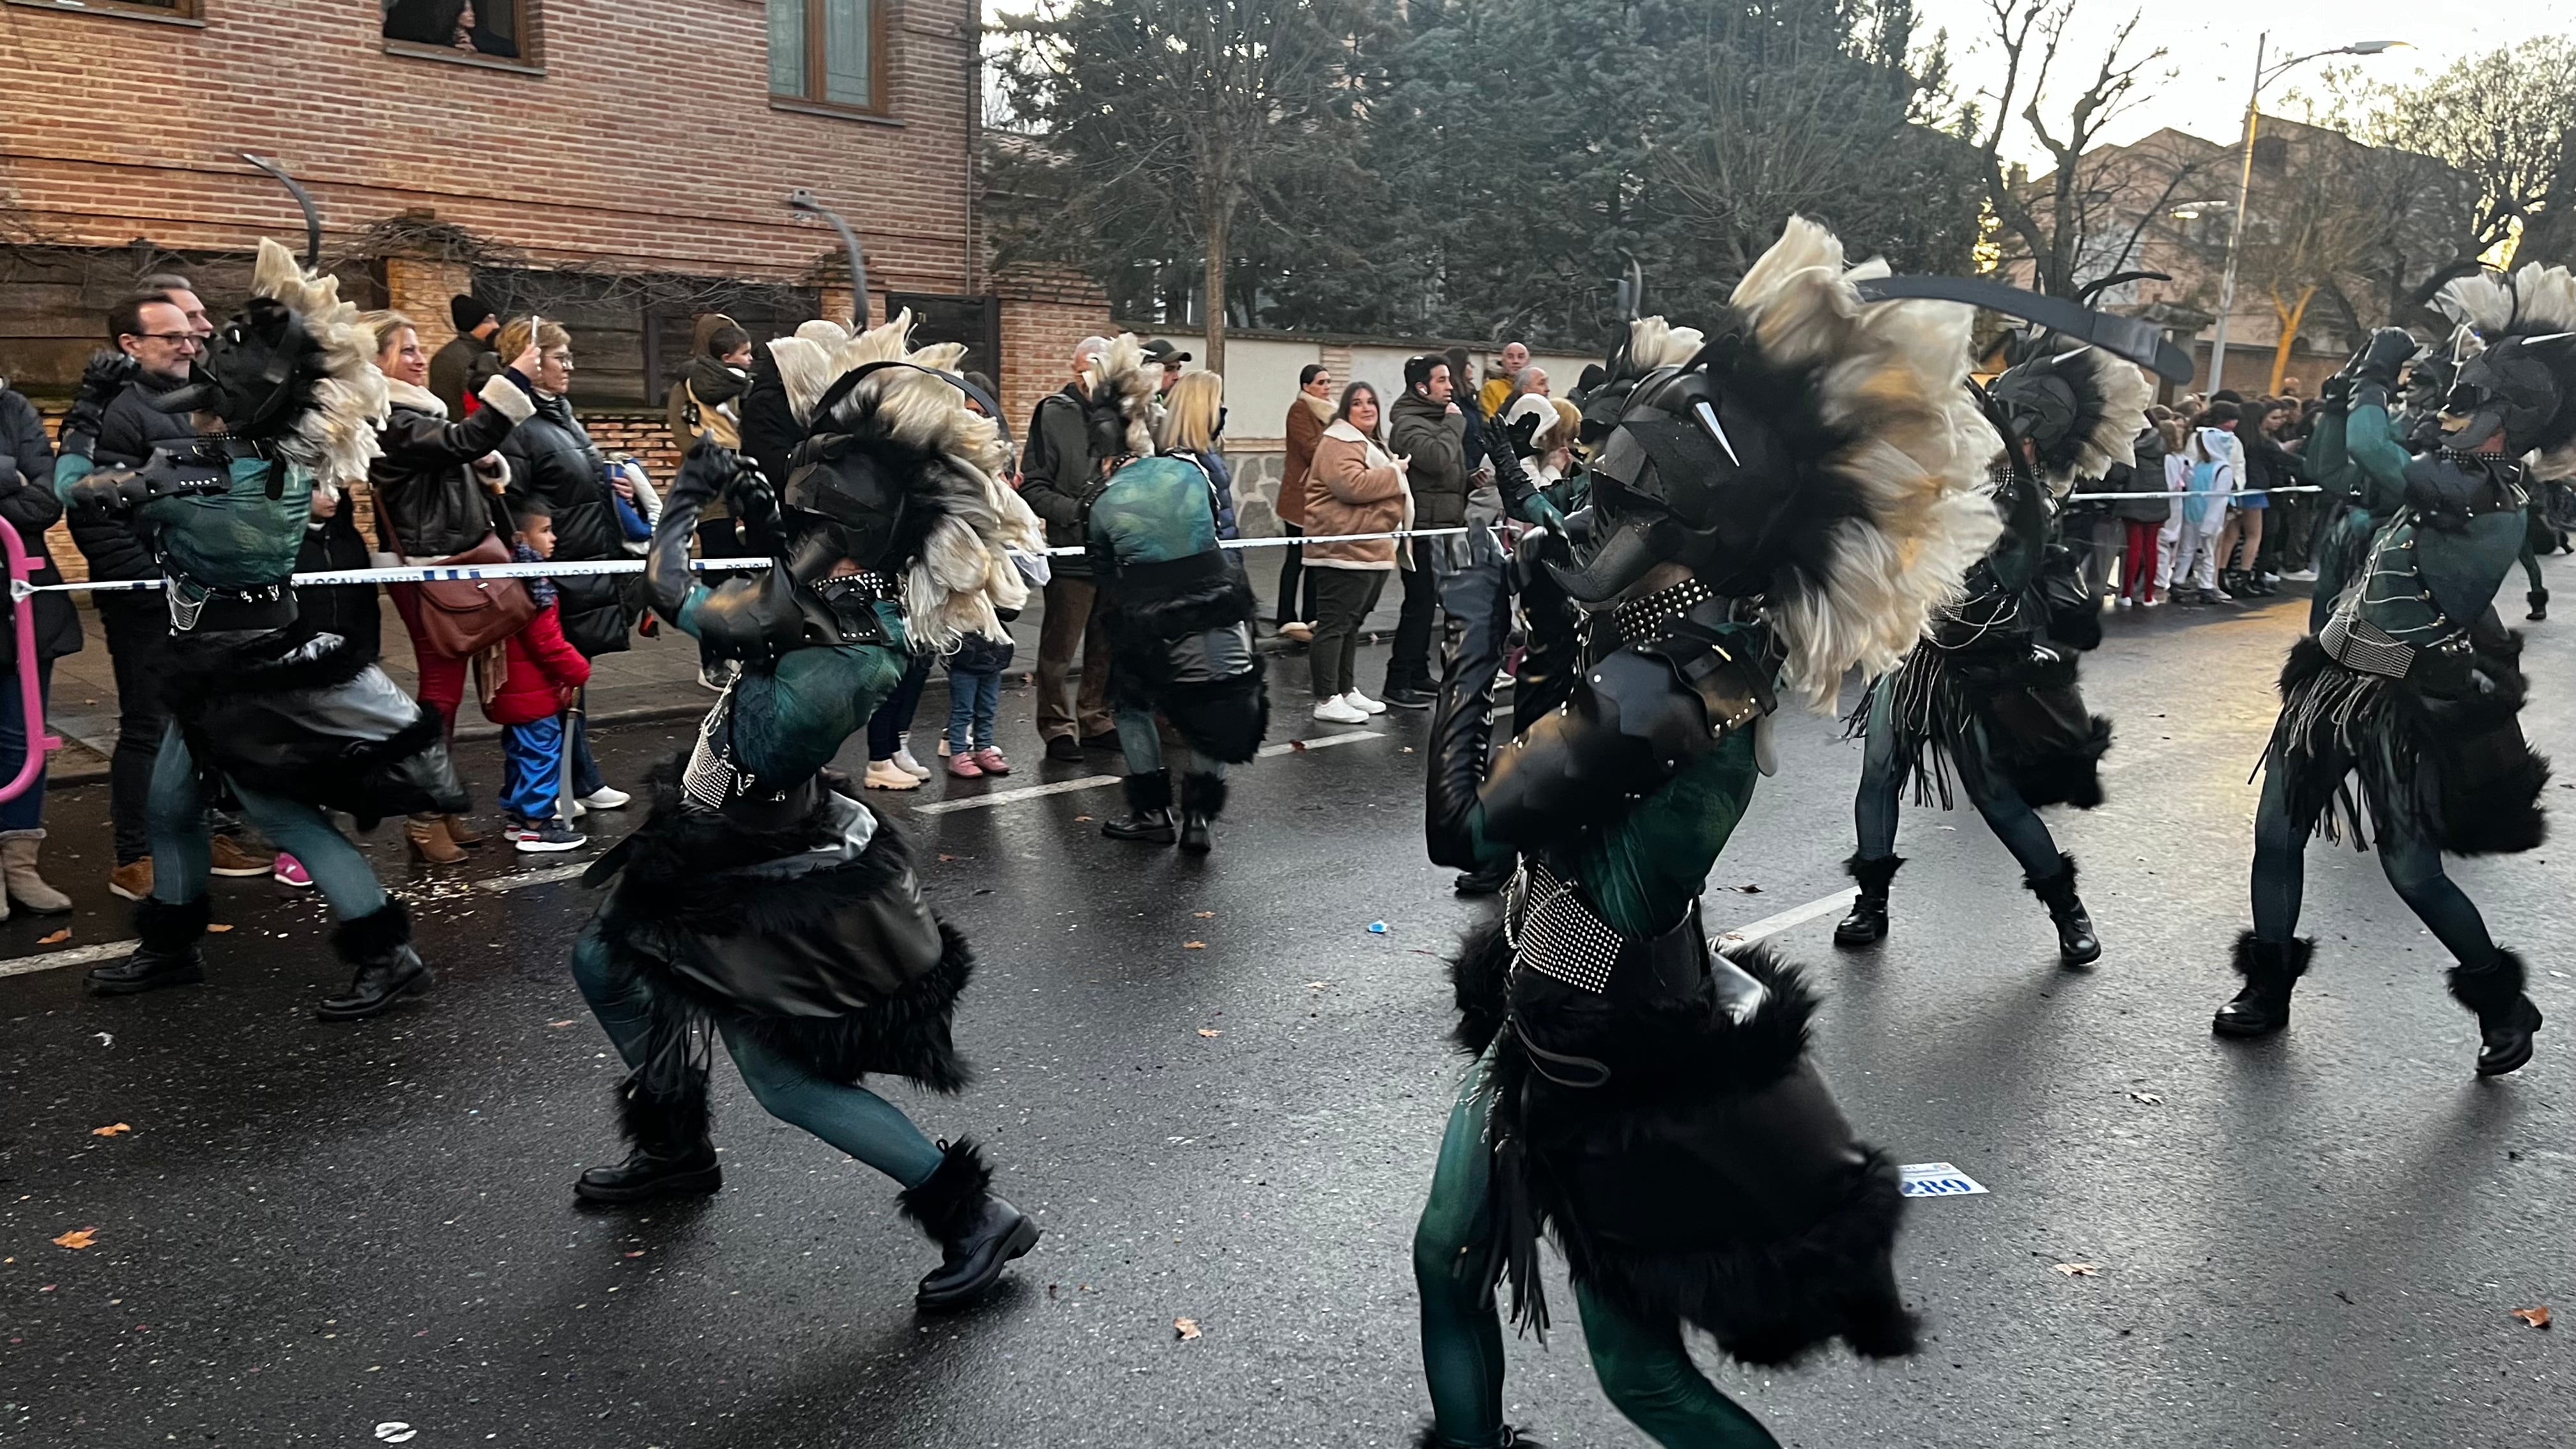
[
  {"x": 552, "y": 458},
  {"x": 27, "y": 504}
]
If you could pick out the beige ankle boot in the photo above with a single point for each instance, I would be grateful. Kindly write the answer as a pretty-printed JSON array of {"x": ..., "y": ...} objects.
[{"x": 18, "y": 849}]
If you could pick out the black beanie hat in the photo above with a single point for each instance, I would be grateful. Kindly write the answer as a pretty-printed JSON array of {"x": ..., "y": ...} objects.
[{"x": 468, "y": 311}]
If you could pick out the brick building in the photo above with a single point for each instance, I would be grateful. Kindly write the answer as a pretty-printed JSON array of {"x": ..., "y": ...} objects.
[{"x": 620, "y": 165}]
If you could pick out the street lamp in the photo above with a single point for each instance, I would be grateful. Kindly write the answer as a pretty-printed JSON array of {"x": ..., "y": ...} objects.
[{"x": 2263, "y": 76}]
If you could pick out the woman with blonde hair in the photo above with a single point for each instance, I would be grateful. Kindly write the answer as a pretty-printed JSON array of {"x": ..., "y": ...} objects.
[{"x": 1193, "y": 418}]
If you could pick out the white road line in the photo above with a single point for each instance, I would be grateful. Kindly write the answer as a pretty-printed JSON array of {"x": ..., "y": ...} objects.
[
  {"x": 76, "y": 956},
  {"x": 1005, "y": 797},
  {"x": 1746, "y": 935},
  {"x": 521, "y": 880}
]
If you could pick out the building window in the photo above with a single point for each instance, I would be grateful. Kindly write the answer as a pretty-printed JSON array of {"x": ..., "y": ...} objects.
[
  {"x": 140, "y": 9},
  {"x": 489, "y": 29},
  {"x": 827, "y": 52}
]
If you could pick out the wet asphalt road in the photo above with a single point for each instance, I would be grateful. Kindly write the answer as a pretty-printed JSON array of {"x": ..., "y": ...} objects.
[{"x": 1221, "y": 1093}]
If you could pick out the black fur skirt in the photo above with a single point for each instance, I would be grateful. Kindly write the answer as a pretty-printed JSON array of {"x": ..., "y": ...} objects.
[
  {"x": 1709, "y": 1180},
  {"x": 2442, "y": 757},
  {"x": 306, "y": 716},
  {"x": 844, "y": 970},
  {"x": 1183, "y": 649},
  {"x": 2013, "y": 715}
]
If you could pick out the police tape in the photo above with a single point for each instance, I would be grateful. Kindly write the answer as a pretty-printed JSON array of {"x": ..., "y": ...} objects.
[
  {"x": 592, "y": 568},
  {"x": 2171, "y": 493}
]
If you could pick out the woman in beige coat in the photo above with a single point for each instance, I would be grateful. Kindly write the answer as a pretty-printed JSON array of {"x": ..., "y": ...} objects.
[{"x": 1353, "y": 487}]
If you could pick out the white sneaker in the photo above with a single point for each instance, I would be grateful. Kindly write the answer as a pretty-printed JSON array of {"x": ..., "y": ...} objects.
[
  {"x": 904, "y": 761},
  {"x": 887, "y": 775},
  {"x": 1503, "y": 680},
  {"x": 1340, "y": 710},
  {"x": 1363, "y": 703},
  {"x": 1298, "y": 630},
  {"x": 606, "y": 797}
]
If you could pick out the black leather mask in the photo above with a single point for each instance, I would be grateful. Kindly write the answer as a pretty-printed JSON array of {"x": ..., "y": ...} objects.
[
  {"x": 2512, "y": 390},
  {"x": 1690, "y": 474},
  {"x": 257, "y": 373}
]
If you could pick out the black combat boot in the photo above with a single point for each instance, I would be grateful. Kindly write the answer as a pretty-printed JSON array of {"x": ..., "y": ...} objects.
[
  {"x": 978, "y": 1234},
  {"x": 387, "y": 969},
  {"x": 2270, "y": 969},
  {"x": 167, "y": 954},
  {"x": 2506, "y": 1017},
  {"x": 1513, "y": 1438},
  {"x": 2076, "y": 943},
  {"x": 1202, "y": 801},
  {"x": 2539, "y": 599},
  {"x": 671, "y": 1149},
  {"x": 1868, "y": 919},
  {"x": 1149, "y": 810}
]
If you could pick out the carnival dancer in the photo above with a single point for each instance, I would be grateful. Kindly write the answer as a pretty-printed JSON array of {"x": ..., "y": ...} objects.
[
  {"x": 1177, "y": 608},
  {"x": 758, "y": 903},
  {"x": 2358, "y": 451},
  {"x": 1769, "y": 506},
  {"x": 1990, "y": 693},
  {"x": 296, "y": 721},
  {"x": 2414, "y": 685}
]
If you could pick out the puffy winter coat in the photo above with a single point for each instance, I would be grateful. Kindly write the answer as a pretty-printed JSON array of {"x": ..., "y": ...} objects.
[
  {"x": 429, "y": 504},
  {"x": 552, "y": 458},
  {"x": 121, "y": 548},
  {"x": 348, "y": 610},
  {"x": 1354, "y": 487},
  {"x": 1055, "y": 470},
  {"x": 28, "y": 504},
  {"x": 1307, "y": 419},
  {"x": 1435, "y": 440},
  {"x": 543, "y": 671}
]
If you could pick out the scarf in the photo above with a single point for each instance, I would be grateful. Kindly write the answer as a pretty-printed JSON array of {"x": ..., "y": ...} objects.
[{"x": 540, "y": 588}]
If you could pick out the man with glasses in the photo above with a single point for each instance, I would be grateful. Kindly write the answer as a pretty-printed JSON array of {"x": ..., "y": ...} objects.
[{"x": 157, "y": 335}]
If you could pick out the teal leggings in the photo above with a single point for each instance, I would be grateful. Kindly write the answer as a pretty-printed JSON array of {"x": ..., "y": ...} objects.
[
  {"x": 1643, "y": 1367},
  {"x": 183, "y": 853},
  {"x": 853, "y": 1119}
]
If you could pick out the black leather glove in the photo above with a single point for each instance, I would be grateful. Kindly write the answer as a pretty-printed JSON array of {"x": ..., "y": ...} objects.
[
  {"x": 704, "y": 472},
  {"x": 1462, "y": 733},
  {"x": 1514, "y": 437},
  {"x": 2336, "y": 391},
  {"x": 2379, "y": 362},
  {"x": 118, "y": 491},
  {"x": 106, "y": 375}
]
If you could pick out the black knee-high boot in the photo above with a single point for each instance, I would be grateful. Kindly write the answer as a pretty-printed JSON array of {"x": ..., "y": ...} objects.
[
  {"x": 2506, "y": 1017},
  {"x": 166, "y": 955},
  {"x": 2076, "y": 943},
  {"x": 385, "y": 968},
  {"x": 1203, "y": 799},
  {"x": 670, "y": 1141},
  {"x": 2270, "y": 969},
  {"x": 1513, "y": 1438},
  {"x": 2539, "y": 601},
  {"x": 1149, "y": 809},
  {"x": 1868, "y": 919},
  {"x": 978, "y": 1234}
]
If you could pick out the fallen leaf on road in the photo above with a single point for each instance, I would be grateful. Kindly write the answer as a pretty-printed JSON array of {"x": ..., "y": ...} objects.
[
  {"x": 1206, "y": 915},
  {"x": 64, "y": 934},
  {"x": 1300, "y": 747},
  {"x": 1194, "y": 945},
  {"x": 638, "y": 1253},
  {"x": 2536, "y": 1317},
  {"x": 945, "y": 857},
  {"x": 1210, "y": 1031},
  {"x": 1185, "y": 1328},
  {"x": 109, "y": 1130},
  {"x": 2079, "y": 1270},
  {"x": 1746, "y": 890},
  {"x": 77, "y": 1238},
  {"x": 2149, "y": 1099},
  {"x": 565, "y": 1022},
  {"x": 1317, "y": 985},
  {"x": 218, "y": 926},
  {"x": 1081, "y": 819}
]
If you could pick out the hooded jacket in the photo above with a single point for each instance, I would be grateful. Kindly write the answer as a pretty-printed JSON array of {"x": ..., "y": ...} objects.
[
  {"x": 28, "y": 504},
  {"x": 551, "y": 457},
  {"x": 429, "y": 504},
  {"x": 1436, "y": 443}
]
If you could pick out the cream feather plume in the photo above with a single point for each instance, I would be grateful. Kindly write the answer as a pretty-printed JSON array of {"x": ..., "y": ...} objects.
[{"x": 336, "y": 436}]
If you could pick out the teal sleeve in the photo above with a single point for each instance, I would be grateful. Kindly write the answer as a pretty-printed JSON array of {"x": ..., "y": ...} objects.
[
  {"x": 2373, "y": 447},
  {"x": 2324, "y": 461},
  {"x": 69, "y": 470},
  {"x": 1644, "y": 872},
  {"x": 687, "y": 622}
]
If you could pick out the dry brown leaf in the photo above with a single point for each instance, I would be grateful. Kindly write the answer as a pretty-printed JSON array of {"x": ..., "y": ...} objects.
[
  {"x": 2536, "y": 1317},
  {"x": 1194, "y": 945},
  {"x": 110, "y": 1130},
  {"x": 1317, "y": 985},
  {"x": 567, "y": 1021},
  {"x": 1210, "y": 1031},
  {"x": 638, "y": 1253},
  {"x": 945, "y": 857},
  {"x": 1185, "y": 1328},
  {"x": 1298, "y": 745},
  {"x": 77, "y": 1238},
  {"x": 218, "y": 926},
  {"x": 56, "y": 938},
  {"x": 1081, "y": 819},
  {"x": 2079, "y": 1270},
  {"x": 1206, "y": 915}
]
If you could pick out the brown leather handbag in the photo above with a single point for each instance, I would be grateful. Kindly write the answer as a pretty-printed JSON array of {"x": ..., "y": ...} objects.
[{"x": 460, "y": 618}]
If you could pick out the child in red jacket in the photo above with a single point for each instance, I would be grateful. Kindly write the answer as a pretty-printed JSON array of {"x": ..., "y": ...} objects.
[{"x": 541, "y": 672}]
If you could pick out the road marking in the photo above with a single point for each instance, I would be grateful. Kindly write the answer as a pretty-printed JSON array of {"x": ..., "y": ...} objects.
[
  {"x": 1935, "y": 1179},
  {"x": 1299, "y": 747},
  {"x": 76, "y": 956},
  {"x": 1794, "y": 916},
  {"x": 1094, "y": 782}
]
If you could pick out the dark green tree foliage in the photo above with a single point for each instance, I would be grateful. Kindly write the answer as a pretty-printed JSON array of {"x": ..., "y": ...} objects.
[{"x": 1484, "y": 168}]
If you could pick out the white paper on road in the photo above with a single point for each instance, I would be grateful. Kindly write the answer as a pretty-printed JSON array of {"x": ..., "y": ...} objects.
[{"x": 1936, "y": 1179}]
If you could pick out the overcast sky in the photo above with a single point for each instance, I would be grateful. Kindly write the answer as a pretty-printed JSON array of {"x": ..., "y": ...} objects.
[{"x": 2212, "y": 45}]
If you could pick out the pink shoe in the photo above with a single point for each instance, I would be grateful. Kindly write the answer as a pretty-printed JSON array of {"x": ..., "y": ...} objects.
[
  {"x": 964, "y": 767},
  {"x": 289, "y": 871},
  {"x": 992, "y": 762}
]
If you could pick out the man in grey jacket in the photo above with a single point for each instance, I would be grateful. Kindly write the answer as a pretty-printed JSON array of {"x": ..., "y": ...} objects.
[
  {"x": 1056, "y": 469},
  {"x": 1428, "y": 428}
]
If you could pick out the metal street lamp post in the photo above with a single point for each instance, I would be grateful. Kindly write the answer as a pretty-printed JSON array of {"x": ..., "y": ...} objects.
[{"x": 2245, "y": 181}]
